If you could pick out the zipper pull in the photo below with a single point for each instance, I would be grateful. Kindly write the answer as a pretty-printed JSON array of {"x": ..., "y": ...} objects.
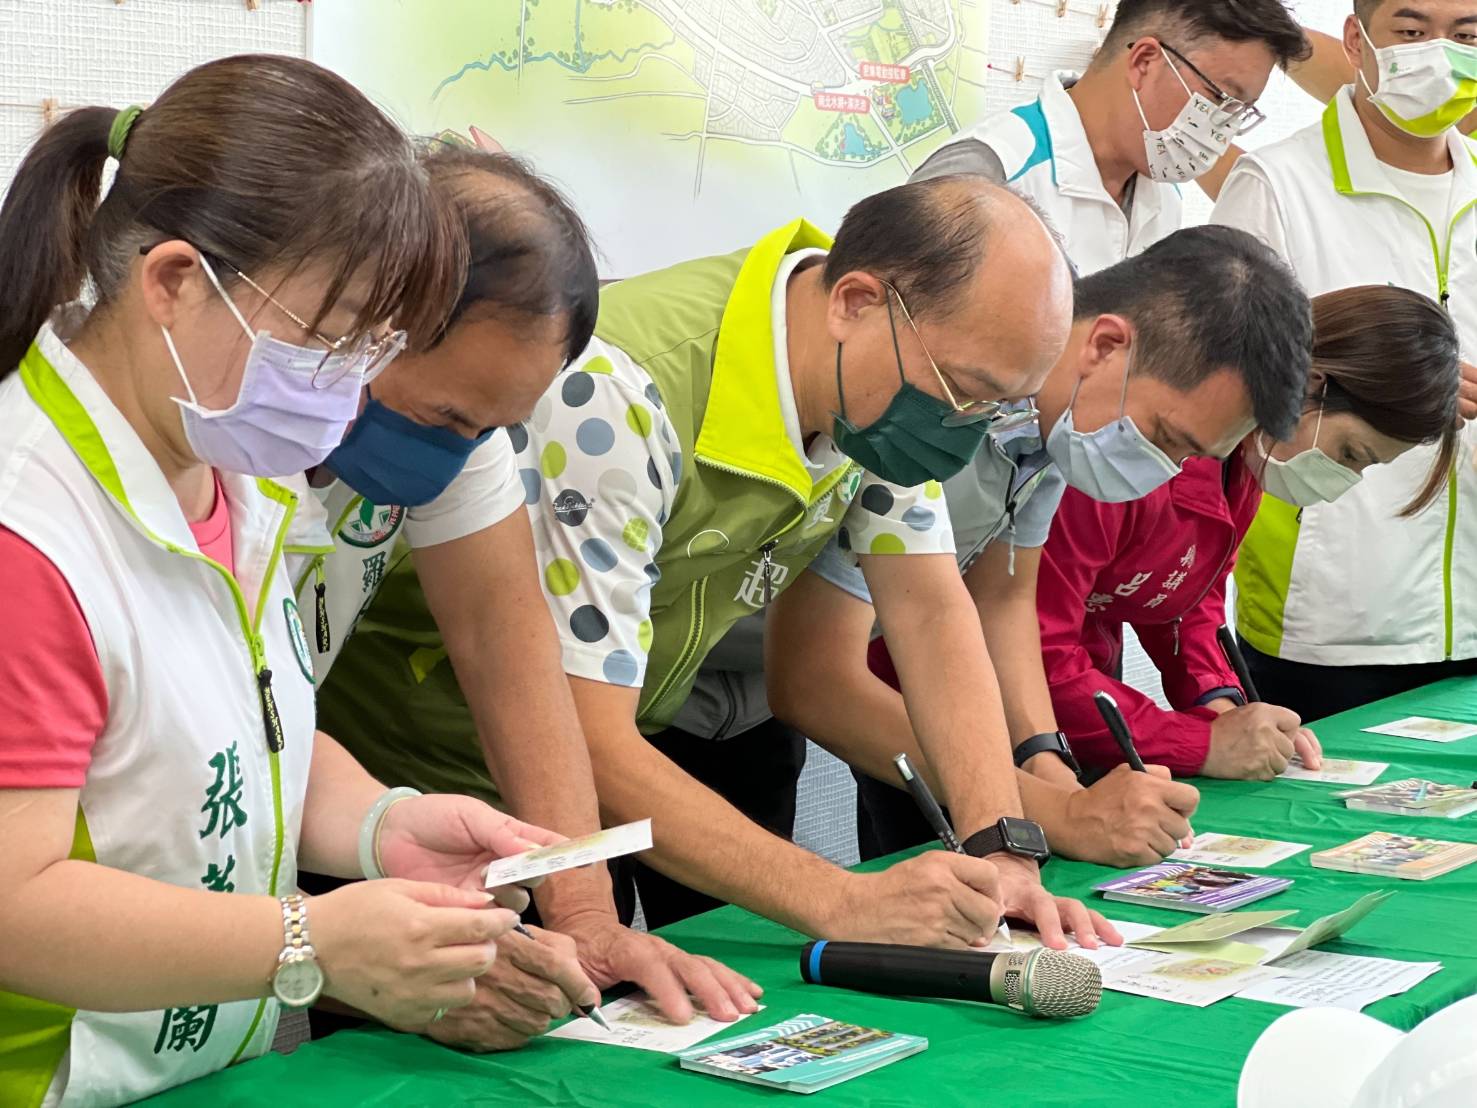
[
  {"x": 320, "y": 608},
  {"x": 766, "y": 568},
  {"x": 1177, "y": 620},
  {"x": 275, "y": 737}
]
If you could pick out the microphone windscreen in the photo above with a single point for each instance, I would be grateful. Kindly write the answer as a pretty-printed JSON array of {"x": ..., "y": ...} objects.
[{"x": 1057, "y": 984}]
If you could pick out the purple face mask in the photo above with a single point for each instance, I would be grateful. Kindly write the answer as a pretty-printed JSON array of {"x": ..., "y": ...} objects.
[{"x": 292, "y": 410}]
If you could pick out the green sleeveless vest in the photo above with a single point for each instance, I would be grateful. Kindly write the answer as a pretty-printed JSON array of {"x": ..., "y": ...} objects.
[{"x": 746, "y": 516}]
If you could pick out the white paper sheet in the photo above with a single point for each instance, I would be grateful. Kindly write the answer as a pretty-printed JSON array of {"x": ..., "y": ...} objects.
[
  {"x": 1337, "y": 771},
  {"x": 1198, "y": 982},
  {"x": 1178, "y": 979},
  {"x": 636, "y": 1022},
  {"x": 1322, "y": 979},
  {"x": 609, "y": 843},
  {"x": 1237, "y": 851},
  {"x": 1422, "y": 727}
]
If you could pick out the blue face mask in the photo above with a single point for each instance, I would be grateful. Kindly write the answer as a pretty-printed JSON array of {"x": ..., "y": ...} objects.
[{"x": 391, "y": 460}]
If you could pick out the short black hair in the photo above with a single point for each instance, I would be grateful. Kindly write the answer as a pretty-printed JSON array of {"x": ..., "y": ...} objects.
[
  {"x": 1186, "y": 24},
  {"x": 1212, "y": 298},
  {"x": 529, "y": 250},
  {"x": 926, "y": 238},
  {"x": 1366, "y": 8}
]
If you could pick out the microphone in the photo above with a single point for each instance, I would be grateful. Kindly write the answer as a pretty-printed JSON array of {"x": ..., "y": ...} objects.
[{"x": 1051, "y": 984}]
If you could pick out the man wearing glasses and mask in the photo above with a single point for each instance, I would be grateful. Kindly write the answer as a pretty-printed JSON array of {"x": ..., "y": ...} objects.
[
  {"x": 1176, "y": 352},
  {"x": 731, "y": 415},
  {"x": 1174, "y": 84}
]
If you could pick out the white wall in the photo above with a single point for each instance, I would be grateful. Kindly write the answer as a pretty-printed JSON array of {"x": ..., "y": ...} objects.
[{"x": 81, "y": 52}]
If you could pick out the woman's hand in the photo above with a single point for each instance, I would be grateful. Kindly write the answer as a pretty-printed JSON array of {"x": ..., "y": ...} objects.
[
  {"x": 451, "y": 839},
  {"x": 404, "y": 951}
]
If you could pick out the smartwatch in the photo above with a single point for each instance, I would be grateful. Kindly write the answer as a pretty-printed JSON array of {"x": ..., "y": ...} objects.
[
  {"x": 1009, "y": 835},
  {"x": 1052, "y": 742}
]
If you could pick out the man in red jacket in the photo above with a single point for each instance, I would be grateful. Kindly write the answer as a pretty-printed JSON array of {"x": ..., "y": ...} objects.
[{"x": 1159, "y": 564}]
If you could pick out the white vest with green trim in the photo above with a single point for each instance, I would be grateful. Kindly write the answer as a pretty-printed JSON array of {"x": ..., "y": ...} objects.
[
  {"x": 182, "y": 786},
  {"x": 1349, "y": 583}
]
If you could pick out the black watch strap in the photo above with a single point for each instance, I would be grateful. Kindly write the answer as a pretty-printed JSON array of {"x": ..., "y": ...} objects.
[
  {"x": 995, "y": 840},
  {"x": 1052, "y": 742}
]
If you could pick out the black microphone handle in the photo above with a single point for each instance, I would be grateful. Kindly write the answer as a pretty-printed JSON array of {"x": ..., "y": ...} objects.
[{"x": 899, "y": 970}]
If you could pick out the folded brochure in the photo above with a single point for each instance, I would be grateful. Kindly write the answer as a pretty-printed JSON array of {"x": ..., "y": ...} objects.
[
  {"x": 1213, "y": 936},
  {"x": 570, "y": 854},
  {"x": 1187, "y": 887},
  {"x": 802, "y": 1055}
]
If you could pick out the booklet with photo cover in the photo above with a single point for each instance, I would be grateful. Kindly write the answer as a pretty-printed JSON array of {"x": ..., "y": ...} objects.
[
  {"x": 1403, "y": 856},
  {"x": 801, "y": 1055},
  {"x": 1413, "y": 797},
  {"x": 1192, "y": 888}
]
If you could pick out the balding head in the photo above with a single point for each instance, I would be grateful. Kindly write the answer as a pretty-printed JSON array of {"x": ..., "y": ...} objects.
[{"x": 978, "y": 271}]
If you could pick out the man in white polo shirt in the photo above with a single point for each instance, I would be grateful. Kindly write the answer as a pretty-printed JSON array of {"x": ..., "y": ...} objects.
[
  {"x": 1381, "y": 191},
  {"x": 1102, "y": 155}
]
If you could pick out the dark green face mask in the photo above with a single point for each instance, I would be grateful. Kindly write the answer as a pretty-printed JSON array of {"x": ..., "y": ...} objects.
[{"x": 910, "y": 443}]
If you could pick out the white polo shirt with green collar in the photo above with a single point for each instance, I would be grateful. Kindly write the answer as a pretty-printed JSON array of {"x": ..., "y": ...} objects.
[{"x": 1350, "y": 583}]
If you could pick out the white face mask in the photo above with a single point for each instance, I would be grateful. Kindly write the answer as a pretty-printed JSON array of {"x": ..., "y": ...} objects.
[
  {"x": 1426, "y": 88},
  {"x": 1308, "y": 477},
  {"x": 285, "y": 419},
  {"x": 1191, "y": 145},
  {"x": 1115, "y": 463}
]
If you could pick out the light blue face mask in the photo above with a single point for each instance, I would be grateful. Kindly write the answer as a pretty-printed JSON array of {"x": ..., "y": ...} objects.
[{"x": 1115, "y": 463}]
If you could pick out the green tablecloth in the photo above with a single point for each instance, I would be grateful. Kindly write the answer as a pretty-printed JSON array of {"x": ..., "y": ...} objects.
[{"x": 1130, "y": 1052}]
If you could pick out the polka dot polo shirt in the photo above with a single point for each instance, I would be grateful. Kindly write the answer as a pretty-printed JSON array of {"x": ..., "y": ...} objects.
[{"x": 600, "y": 464}]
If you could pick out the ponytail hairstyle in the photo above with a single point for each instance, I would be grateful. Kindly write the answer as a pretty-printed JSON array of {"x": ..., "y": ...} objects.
[
  {"x": 1393, "y": 359},
  {"x": 529, "y": 251},
  {"x": 260, "y": 161}
]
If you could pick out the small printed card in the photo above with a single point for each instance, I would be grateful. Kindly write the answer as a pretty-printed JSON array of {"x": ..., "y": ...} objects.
[
  {"x": 802, "y": 1055},
  {"x": 1211, "y": 849},
  {"x": 1336, "y": 771},
  {"x": 1186, "y": 887},
  {"x": 570, "y": 854},
  {"x": 1421, "y": 727},
  {"x": 635, "y": 1022}
]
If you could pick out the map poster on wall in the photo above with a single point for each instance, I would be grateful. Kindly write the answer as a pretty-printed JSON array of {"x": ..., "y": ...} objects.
[{"x": 679, "y": 127}]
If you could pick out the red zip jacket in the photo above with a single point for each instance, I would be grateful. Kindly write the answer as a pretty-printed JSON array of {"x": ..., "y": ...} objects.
[{"x": 1159, "y": 564}]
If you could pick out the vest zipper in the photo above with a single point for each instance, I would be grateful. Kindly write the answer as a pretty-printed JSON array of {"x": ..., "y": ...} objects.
[
  {"x": 1443, "y": 293},
  {"x": 320, "y": 608},
  {"x": 766, "y": 569},
  {"x": 322, "y": 631},
  {"x": 697, "y": 603}
]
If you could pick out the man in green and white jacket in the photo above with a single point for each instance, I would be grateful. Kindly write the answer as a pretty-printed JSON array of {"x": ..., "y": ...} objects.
[
  {"x": 700, "y": 453},
  {"x": 1344, "y": 603}
]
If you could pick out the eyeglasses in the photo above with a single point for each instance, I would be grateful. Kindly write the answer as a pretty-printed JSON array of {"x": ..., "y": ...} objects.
[
  {"x": 995, "y": 413},
  {"x": 373, "y": 354},
  {"x": 1235, "y": 115}
]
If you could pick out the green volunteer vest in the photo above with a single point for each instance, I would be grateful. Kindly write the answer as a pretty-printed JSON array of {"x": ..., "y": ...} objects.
[{"x": 746, "y": 516}]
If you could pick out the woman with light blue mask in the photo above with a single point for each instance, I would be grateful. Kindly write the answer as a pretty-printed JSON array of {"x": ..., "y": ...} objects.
[{"x": 161, "y": 776}]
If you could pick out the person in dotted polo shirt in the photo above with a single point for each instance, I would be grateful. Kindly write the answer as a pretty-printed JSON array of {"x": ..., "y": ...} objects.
[{"x": 730, "y": 416}]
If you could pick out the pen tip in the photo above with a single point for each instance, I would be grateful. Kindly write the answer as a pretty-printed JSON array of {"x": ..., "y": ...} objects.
[{"x": 592, "y": 1012}]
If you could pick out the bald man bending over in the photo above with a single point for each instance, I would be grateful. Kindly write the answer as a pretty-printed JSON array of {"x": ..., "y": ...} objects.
[{"x": 731, "y": 416}]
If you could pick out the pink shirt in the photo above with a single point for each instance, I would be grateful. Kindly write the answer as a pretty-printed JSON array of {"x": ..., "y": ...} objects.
[{"x": 53, "y": 700}]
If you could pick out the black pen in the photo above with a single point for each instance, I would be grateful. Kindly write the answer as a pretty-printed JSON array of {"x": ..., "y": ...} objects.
[
  {"x": 922, "y": 797},
  {"x": 589, "y": 1011},
  {"x": 1108, "y": 708},
  {"x": 1232, "y": 650}
]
